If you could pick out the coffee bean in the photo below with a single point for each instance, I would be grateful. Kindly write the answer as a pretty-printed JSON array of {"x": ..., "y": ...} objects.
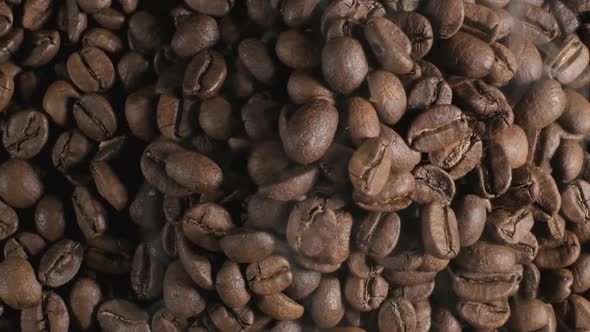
[
  {"x": 52, "y": 312},
  {"x": 344, "y": 64},
  {"x": 396, "y": 195},
  {"x": 303, "y": 87},
  {"x": 397, "y": 314},
  {"x": 558, "y": 253},
  {"x": 471, "y": 214},
  {"x": 60, "y": 263},
  {"x": 205, "y": 224},
  {"x": 363, "y": 122},
  {"x": 21, "y": 289},
  {"x": 90, "y": 214},
  {"x": 20, "y": 185},
  {"x": 467, "y": 55},
  {"x": 366, "y": 294},
  {"x": 389, "y": 44},
  {"x": 85, "y": 297},
  {"x": 24, "y": 245},
  {"x": 36, "y": 13},
  {"x": 378, "y": 233},
  {"x": 91, "y": 70},
  {"x": 246, "y": 246},
  {"x": 491, "y": 314},
  {"x": 196, "y": 172},
  {"x": 485, "y": 287},
  {"x": 369, "y": 166},
  {"x": 120, "y": 315},
  {"x": 280, "y": 307},
  {"x": 205, "y": 74},
  {"x": 505, "y": 66},
  {"x": 533, "y": 23},
  {"x": 230, "y": 285},
  {"x": 573, "y": 117},
  {"x": 327, "y": 308},
  {"x": 446, "y": 17},
  {"x": 49, "y": 217},
  {"x": 269, "y": 276},
  {"x": 557, "y": 284},
  {"x": 57, "y": 99},
  {"x": 437, "y": 127},
  {"x": 147, "y": 272},
  {"x": 387, "y": 95}
]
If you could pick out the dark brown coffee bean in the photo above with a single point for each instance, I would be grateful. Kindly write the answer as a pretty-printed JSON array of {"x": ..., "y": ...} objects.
[
  {"x": 147, "y": 272},
  {"x": 20, "y": 289},
  {"x": 418, "y": 30},
  {"x": 20, "y": 185},
  {"x": 195, "y": 263},
  {"x": 327, "y": 308},
  {"x": 92, "y": 7},
  {"x": 11, "y": 43},
  {"x": 344, "y": 64},
  {"x": 568, "y": 161},
  {"x": 308, "y": 132},
  {"x": 406, "y": 158},
  {"x": 36, "y": 13},
  {"x": 557, "y": 284},
  {"x": 49, "y": 218},
  {"x": 57, "y": 101},
  {"x": 363, "y": 122},
  {"x": 439, "y": 231},
  {"x": 140, "y": 112},
  {"x": 397, "y": 194},
  {"x": 247, "y": 246},
  {"x": 280, "y": 307},
  {"x": 459, "y": 158},
  {"x": 71, "y": 20},
  {"x": 433, "y": 184},
  {"x": 366, "y": 294},
  {"x": 230, "y": 285},
  {"x": 558, "y": 253},
  {"x": 499, "y": 258},
  {"x": 446, "y": 17},
  {"x": 304, "y": 283},
  {"x": 91, "y": 216},
  {"x": 91, "y": 70},
  {"x": 575, "y": 201},
  {"x": 493, "y": 175},
  {"x": 25, "y": 245},
  {"x": 51, "y": 312},
  {"x": 573, "y": 118},
  {"x": 85, "y": 296},
  {"x": 437, "y": 127},
  {"x": 205, "y": 224},
  {"x": 310, "y": 225},
  {"x": 484, "y": 315},
  {"x": 529, "y": 314},
  {"x": 120, "y": 315},
  {"x": 533, "y": 23},
  {"x": 194, "y": 171},
  {"x": 467, "y": 55},
  {"x": 397, "y": 314},
  {"x": 164, "y": 320},
  {"x": 109, "y": 18},
  {"x": 153, "y": 166},
  {"x": 378, "y": 233},
  {"x": 387, "y": 95},
  {"x": 174, "y": 121},
  {"x": 108, "y": 254},
  {"x": 194, "y": 35},
  {"x": 95, "y": 117},
  {"x": 429, "y": 91},
  {"x": 485, "y": 286},
  {"x": 70, "y": 150},
  {"x": 25, "y": 134},
  {"x": 269, "y": 276},
  {"x": 369, "y": 166},
  {"x": 296, "y": 50},
  {"x": 389, "y": 44},
  {"x": 180, "y": 296},
  {"x": 103, "y": 39},
  {"x": 443, "y": 320},
  {"x": 44, "y": 46},
  {"x": 9, "y": 221},
  {"x": 509, "y": 226},
  {"x": 303, "y": 87},
  {"x": 205, "y": 74},
  {"x": 471, "y": 213},
  {"x": 60, "y": 263}
]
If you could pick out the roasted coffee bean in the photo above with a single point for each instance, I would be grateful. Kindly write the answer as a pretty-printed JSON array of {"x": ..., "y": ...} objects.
[
  {"x": 108, "y": 254},
  {"x": 140, "y": 113},
  {"x": 565, "y": 58},
  {"x": 197, "y": 33},
  {"x": 51, "y": 313},
  {"x": 574, "y": 205},
  {"x": 386, "y": 93},
  {"x": 205, "y": 74},
  {"x": 558, "y": 253},
  {"x": 407, "y": 158},
  {"x": 20, "y": 289},
  {"x": 280, "y": 307},
  {"x": 24, "y": 245},
  {"x": 133, "y": 69},
  {"x": 164, "y": 320},
  {"x": 429, "y": 91},
  {"x": 147, "y": 272},
  {"x": 85, "y": 297},
  {"x": 95, "y": 117},
  {"x": 491, "y": 314},
  {"x": 573, "y": 118},
  {"x": 344, "y": 64},
  {"x": 91, "y": 70},
  {"x": 70, "y": 150},
  {"x": 509, "y": 226},
  {"x": 481, "y": 22},
  {"x": 542, "y": 104},
  {"x": 49, "y": 218},
  {"x": 389, "y": 44},
  {"x": 459, "y": 158},
  {"x": 433, "y": 185},
  {"x": 437, "y": 127},
  {"x": 57, "y": 101},
  {"x": 378, "y": 233},
  {"x": 172, "y": 118},
  {"x": 444, "y": 320},
  {"x": 418, "y": 29},
  {"x": 25, "y": 134},
  {"x": 246, "y": 246},
  {"x": 180, "y": 296},
  {"x": 120, "y": 315},
  {"x": 327, "y": 308},
  {"x": 533, "y": 23},
  {"x": 205, "y": 224},
  {"x": 485, "y": 286},
  {"x": 103, "y": 39},
  {"x": 471, "y": 214},
  {"x": 446, "y": 17},
  {"x": 91, "y": 216},
  {"x": 20, "y": 185},
  {"x": 60, "y": 263},
  {"x": 397, "y": 194},
  {"x": 9, "y": 221},
  {"x": 269, "y": 276},
  {"x": 363, "y": 121},
  {"x": 397, "y": 315},
  {"x": 467, "y": 55},
  {"x": 370, "y": 165},
  {"x": 557, "y": 284},
  {"x": 440, "y": 234},
  {"x": 230, "y": 285}
]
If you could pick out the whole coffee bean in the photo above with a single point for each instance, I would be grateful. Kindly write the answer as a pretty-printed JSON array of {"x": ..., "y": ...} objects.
[
  {"x": 533, "y": 23},
  {"x": 91, "y": 216},
  {"x": 109, "y": 18},
  {"x": 147, "y": 272},
  {"x": 327, "y": 308},
  {"x": 418, "y": 30},
  {"x": 20, "y": 289},
  {"x": 378, "y": 233},
  {"x": 7, "y": 90},
  {"x": 389, "y": 44},
  {"x": 459, "y": 158},
  {"x": 230, "y": 285},
  {"x": 140, "y": 113},
  {"x": 534, "y": 310},
  {"x": 196, "y": 264},
  {"x": 439, "y": 231},
  {"x": 443, "y": 320},
  {"x": 44, "y": 46},
  {"x": 397, "y": 314},
  {"x": 484, "y": 315},
  {"x": 308, "y": 132},
  {"x": 396, "y": 195},
  {"x": 255, "y": 58},
  {"x": 51, "y": 313},
  {"x": 180, "y": 295},
  {"x": 57, "y": 100},
  {"x": 437, "y": 127},
  {"x": 280, "y": 307},
  {"x": 558, "y": 253},
  {"x": 85, "y": 296},
  {"x": 216, "y": 118},
  {"x": 407, "y": 158},
  {"x": 36, "y": 13},
  {"x": 467, "y": 55},
  {"x": 92, "y": 7},
  {"x": 11, "y": 43},
  {"x": 515, "y": 144},
  {"x": 25, "y": 134},
  {"x": 303, "y": 87},
  {"x": 429, "y": 91},
  {"x": 9, "y": 221},
  {"x": 304, "y": 283},
  {"x": 446, "y": 17},
  {"x": 95, "y": 117},
  {"x": 573, "y": 118},
  {"x": 215, "y": 8},
  {"x": 557, "y": 284},
  {"x": 339, "y": 14},
  {"x": 204, "y": 224},
  {"x": 120, "y": 315},
  {"x": 581, "y": 274},
  {"x": 387, "y": 95},
  {"x": 267, "y": 160},
  {"x": 71, "y": 20},
  {"x": 530, "y": 64},
  {"x": 247, "y": 246},
  {"x": 344, "y": 64},
  {"x": 499, "y": 258},
  {"x": 25, "y": 245},
  {"x": 70, "y": 150},
  {"x": 542, "y": 104},
  {"x": 485, "y": 287},
  {"x": 60, "y": 263},
  {"x": 153, "y": 166},
  {"x": 133, "y": 68},
  {"x": 174, "y": 120},
  {"x": 269, "y": 276},
  {"x": 433, "y": 184},
  {"x": 205, "y": 74},
  {"x": 20, "y": 185},
  {"x": 493, "y": 175},
  {"x": 145, "y": 32},
  {"x": 486, "y": 107},
  {"x": 369, "y": 166},
  {"x": 366, "y": 294},
  {"x": 197, "y": 33},
  {"x": 91, "y": 70},
  {"x": 568, "y": 161},
  {"x": 566, "y": 58},
  {"x": 225, "y": 318},
  {"x": 575, "y": 201},
  {"x": 471, "y": 213},
  {"x": 295, "y": 49},
  {"x": 549, "y": 199},
  {"x": 509, "y": 226},
  {"x": 164, "y": 320},
  {"x": 311, "y": 223},
  {"x": 505, "y": 66},
  {"x": 103, "y": 39},
  {"x": 363, "y": 122},
  {"x": 49, "y": 217},
  {"x": 195, "y": 171}
]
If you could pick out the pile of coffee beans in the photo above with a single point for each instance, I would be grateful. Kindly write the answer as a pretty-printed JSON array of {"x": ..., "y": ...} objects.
[{"x": 294, "y": 165}]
